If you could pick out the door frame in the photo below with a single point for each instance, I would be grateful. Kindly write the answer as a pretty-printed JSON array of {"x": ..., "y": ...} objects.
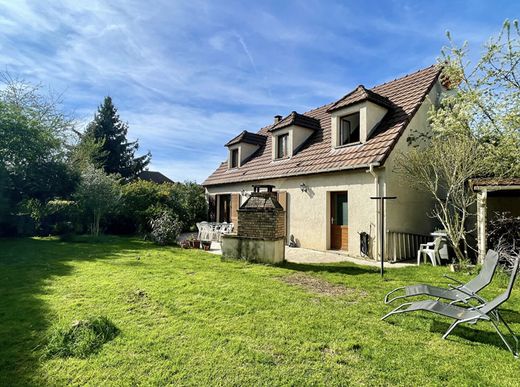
[{"x": 331, "y": 199}]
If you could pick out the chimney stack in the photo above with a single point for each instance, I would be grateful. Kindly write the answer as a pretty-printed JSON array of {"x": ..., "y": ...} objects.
[{"x": 277, "y": 119}]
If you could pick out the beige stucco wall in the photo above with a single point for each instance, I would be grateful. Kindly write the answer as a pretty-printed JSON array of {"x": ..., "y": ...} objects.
[
  {"x": 308, "y": 213},
  {"x": 409, "y": 212}
]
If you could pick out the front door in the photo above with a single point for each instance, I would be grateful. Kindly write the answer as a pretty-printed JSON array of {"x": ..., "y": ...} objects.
[{"x": 338, "y": 221}]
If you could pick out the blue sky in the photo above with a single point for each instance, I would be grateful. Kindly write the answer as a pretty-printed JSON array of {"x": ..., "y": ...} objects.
[{"x": 188, "y": 76}]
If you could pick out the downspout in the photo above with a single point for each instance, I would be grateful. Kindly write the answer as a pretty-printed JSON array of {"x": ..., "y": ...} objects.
[{"x": 376, "y": 208}]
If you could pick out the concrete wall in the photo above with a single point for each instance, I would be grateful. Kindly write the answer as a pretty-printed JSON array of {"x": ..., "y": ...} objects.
[{"x": 255, "y": 250}]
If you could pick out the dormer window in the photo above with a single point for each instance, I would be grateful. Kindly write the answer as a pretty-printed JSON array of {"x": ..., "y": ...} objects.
[
  {"x": 290, "y": 133},
  {"x": 355, "y": 117},
  {"x": 282, "y": 146},
  {"x": 243, "y": 147},
  {"x": 234, "y": 158},
  {"x": 349, "y": 129}
]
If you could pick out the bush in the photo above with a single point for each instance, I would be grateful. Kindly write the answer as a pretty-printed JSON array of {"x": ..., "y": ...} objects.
[
  {"x": 166, "y": 227},
  {"x": 504, "y": 230},
  {"x": 138, "y": 205},
  {"x": 145, "y": 200},
  {"x": 81, "y": 339}
]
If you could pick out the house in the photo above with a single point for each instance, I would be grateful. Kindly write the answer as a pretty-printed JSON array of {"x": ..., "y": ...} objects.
[
  {"x": 154, "y": 177},
  {"x": 326, "y": 164}
]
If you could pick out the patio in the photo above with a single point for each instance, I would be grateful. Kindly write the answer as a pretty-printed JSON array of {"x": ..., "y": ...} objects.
[{"x": 302, "y": 255}]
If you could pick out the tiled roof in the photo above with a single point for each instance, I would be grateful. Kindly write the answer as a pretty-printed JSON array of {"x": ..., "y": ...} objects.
[
  {"x": 317, "y": 155},
  {"x": 154, "y": 176},
  {"x": 298, "y": 120},
  {"x": 494, "y": 181},
  {"x": 360, "y": 94},
  {"x": 248, "y": 138}
]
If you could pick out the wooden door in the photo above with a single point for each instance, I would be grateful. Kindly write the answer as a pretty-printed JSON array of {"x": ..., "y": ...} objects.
[
  {"x": 339, "y": 221},
  {"x": 282, "y": 199}
]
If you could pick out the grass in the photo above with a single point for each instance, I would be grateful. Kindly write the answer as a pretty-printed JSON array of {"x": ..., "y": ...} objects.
[
  {"x": 81, "y": 338},
  {"x": 186, "y": 317}
]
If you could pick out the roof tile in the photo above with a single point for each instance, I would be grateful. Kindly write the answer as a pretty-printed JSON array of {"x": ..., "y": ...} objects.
[{"x": 317, "y": 155}]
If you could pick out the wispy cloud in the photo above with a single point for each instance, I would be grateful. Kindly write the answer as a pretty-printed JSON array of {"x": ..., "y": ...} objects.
[{"x": 188, "y": 76}]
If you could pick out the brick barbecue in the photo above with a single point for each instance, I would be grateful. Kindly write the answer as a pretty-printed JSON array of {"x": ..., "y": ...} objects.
[
  {"x": 260, "y": 230},
  {"x": 261, "y": 216}
]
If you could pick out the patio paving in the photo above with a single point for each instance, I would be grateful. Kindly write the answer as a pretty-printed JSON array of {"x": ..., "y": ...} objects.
[{"x": 301, "y": 255}]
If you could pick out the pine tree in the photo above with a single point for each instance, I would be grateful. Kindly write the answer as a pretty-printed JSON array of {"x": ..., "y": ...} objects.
[{"x": 116, "y": 154}]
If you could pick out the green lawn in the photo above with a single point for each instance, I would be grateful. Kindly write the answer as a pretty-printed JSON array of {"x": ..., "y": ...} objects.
[{"x": 187, "y": 317}]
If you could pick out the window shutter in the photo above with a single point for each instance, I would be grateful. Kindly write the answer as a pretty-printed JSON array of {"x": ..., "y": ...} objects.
[
  {"x": 282, "y": 199},
  {"x": 235, "y": 204}
]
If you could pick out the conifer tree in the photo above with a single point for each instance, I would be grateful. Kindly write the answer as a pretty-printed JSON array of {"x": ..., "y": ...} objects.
[{"x": 116, "y": 155}]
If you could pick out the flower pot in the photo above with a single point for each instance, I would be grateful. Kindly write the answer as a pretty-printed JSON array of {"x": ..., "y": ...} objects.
[{"x": 195, "y": 244}]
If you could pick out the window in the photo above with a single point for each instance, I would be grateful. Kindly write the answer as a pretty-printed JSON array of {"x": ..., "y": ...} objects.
[
  {"x": 349, "y": 129},
  {"x": 234, "y": 158},
  {"x": 282, "y": 150}
]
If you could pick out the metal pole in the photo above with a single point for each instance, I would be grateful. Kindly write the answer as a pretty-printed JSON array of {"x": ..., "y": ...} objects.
[
  {"x": 382, "y": 236},
  {"x": 382, "y": 221}
]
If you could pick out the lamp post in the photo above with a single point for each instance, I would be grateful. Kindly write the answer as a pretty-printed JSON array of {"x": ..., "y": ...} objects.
[{"x": 382, "y": 222}]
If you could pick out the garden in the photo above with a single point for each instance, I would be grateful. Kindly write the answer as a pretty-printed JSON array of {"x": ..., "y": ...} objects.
[{"x": 165, "y": 315}]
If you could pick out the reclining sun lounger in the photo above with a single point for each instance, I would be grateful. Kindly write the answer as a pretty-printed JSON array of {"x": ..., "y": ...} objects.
[
  {"x": 462, "y": 292},
  {"x": 486, "y": 312}
]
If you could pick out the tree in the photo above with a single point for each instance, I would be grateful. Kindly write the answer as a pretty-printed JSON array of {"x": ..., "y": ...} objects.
[
  {"x": 486, "y": 103},
  {"x": 33, "y": 135},
  {"x": 87, "y": 152},
  {"x": 443, "y": 169},
  {"x": 475, "y": 132},
  {"x": 192, "y": 199},
  {"x": 117, "y": 154},
  {"x": 97, "y": 195}
]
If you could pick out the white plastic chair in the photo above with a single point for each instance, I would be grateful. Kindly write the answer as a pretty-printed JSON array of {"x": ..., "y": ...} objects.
[{"x": 436, "y": 251}]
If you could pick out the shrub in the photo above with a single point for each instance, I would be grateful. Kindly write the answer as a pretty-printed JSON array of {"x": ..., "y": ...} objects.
[
  {"x": 504, "y": 230},
  {"x": 166, "y": 227},
  {"x": 139, "y": 203},
  {"x": 81, "y": 339}
]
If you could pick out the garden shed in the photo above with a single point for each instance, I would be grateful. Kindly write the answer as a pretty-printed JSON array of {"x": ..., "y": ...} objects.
[{"x": 494, "y": 196}]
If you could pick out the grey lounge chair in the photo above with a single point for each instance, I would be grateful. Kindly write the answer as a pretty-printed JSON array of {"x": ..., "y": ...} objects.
[
  {"x": 462, "y": 292},
  {"x": 485, "y": 312}
]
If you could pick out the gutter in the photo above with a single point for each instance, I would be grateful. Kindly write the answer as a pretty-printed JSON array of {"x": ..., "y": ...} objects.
[{"x": 329, "y": 170}]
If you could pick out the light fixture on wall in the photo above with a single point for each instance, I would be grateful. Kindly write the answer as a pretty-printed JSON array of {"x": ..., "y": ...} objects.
[
  {"x": 245, "y": 193},
  {"x": 304, "y": 187}
]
